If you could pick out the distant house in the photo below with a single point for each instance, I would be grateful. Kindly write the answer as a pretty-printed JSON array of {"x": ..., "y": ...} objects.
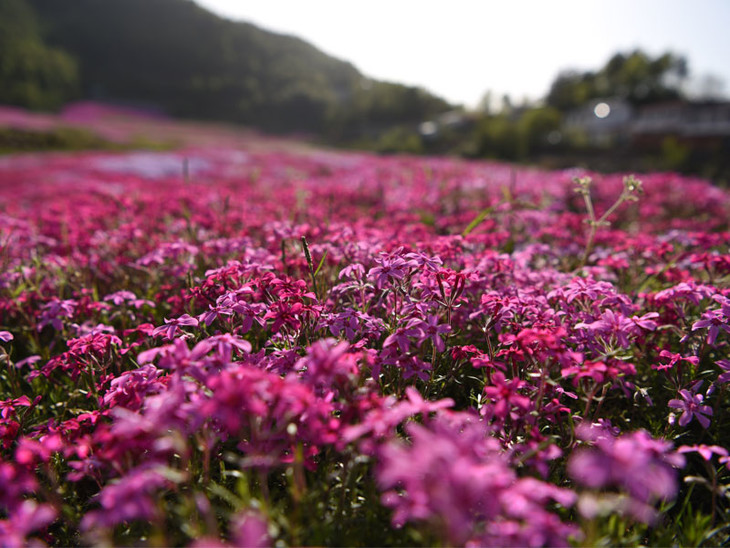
[
  {"x": 610, "y": 122},
  {"x": 702, "y": 124}
]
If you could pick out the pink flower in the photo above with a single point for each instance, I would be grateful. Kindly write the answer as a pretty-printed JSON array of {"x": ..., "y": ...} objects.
[{"x": 706, "y": 451}]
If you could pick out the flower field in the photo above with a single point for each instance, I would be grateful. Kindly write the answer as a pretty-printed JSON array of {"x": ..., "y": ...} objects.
[{"x": 216, "y": 347}]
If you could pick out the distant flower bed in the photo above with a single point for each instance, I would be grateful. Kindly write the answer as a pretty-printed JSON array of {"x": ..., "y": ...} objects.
[{"x": 210, "y": 347}]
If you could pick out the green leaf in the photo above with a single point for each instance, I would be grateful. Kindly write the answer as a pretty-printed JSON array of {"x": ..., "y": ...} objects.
[
  {"x": 321, "y": 262},
  {"x": 478, "y": 220}
]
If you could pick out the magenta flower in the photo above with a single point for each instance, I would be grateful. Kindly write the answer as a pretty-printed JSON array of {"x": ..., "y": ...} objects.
[
  {"x": 505, "y": 395},
  {"x": 327, "y": 365},
  {"x": 691, "y": 406},
  {"x": 7, "y": 407},
  {"x": 673, "y": 360},
  {"x": 6, "y": 336}
]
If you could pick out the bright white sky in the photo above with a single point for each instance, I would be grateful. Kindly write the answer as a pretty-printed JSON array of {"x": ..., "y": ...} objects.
[{"x": 462, "y": 48}]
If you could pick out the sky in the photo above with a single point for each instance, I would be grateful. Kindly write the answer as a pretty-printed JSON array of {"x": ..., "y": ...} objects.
[{"x": 461, "y": 49}]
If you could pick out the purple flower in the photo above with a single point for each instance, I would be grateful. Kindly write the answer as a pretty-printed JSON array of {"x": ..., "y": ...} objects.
[
  {"x": 328, "y": 365},
  {"x": 131, "y": 387},
  {"x": 120, "y": 297},
  {"x": 587, "y": 289},
  {"x": 691, "y": 406},
  {"x": 454, "y": 475},
  {"x": 209, "y": 316},
  {"x": 6, "y": 336},
  {"x": 171, "y": 326},
  {"x": 54, "y": 311},
  {"x": 611, "y": 324},
  {"x": 422, "y": 259},
  {"x": 715, "y": 320},
  {"x": 400, "y": 338},
  {"x": 391, "y": 268},
  {"x": 724, "y": 305},
  {"x": 646, "y": 321},
  {"x": 128, "y": 499},
  {"x": 725, "y": 366},
  {"x": 636, "y": 463},
  {"x": 355, "y": 271},
  {"x": 346, "y": 322},
  {"x": 23, "y": 520},
  {"x": 250, "y": 529},
  {"x": 430, "y": 329}
]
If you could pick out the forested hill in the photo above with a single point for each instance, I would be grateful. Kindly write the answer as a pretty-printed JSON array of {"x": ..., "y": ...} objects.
[{"x": 179, "y": 57}]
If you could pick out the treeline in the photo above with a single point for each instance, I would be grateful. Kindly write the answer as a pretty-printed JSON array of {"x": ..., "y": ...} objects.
[
  {"x": 175, "y": 56},
  {"x": 32, "y": 74},
  {"x": 562, "y": 129}
]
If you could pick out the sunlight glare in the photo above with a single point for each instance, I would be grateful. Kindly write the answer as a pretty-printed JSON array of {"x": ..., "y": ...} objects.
[{"x": 602, "y": 110}]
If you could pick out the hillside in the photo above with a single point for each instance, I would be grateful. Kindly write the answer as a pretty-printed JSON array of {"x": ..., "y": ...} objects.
[{"x": 178, "y": 57}]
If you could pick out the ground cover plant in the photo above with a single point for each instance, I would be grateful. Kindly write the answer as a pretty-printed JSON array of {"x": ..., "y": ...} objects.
[{"x": 227, "y": 347}]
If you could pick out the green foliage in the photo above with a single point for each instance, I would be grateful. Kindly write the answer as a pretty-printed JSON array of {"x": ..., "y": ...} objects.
[
  {"x": 177, "y": 56},
  {"x": 636, "y": 77},
  {"x": 400, "y": 140},
  {"x": 535, "y": 125},
  {"x": 32, "y": 74},
  {"x": 67, "y": 138},
  {"x": 674, "y": 154},
  {"x": 18, "y": 140},
  {"x": 498, "y": 137},
  {"x": 516, "y": 137},
  {"x": 376, "y": 106}
]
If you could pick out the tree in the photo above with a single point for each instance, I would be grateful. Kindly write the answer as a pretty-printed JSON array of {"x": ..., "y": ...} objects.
[
  {"x": 635, "y": 77},
  {"x": 32, "y": 75}
]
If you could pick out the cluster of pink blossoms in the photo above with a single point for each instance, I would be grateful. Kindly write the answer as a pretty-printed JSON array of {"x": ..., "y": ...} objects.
[{"x": 335, "y": 349}]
